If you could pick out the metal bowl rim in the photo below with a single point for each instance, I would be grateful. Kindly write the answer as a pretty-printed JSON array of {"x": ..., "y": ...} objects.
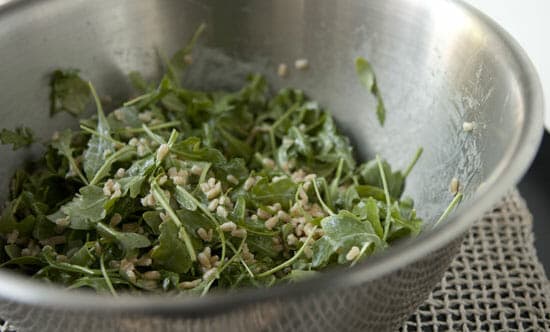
[{"x": 511, "y": 168}]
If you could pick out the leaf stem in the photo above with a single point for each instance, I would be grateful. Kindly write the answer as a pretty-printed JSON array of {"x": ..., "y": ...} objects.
[
  {"x": 291, "y": 260},
  {"x": 236, "y": 251},
  {"x": 211, "y": 217},
  {"x": 449, "y": 209},
  {"x": 100, "y": 113},
  {"x": 361, "y": 253},
  {"x": 94, "y": 132},
  {"x": 137, "y": 99},
  {"x": 152, "y": 135},
  {"x": 106, "y": 277},
  {"x": 291, "y": 110},
  {"x": 161, "y": 198},
  {"x": 77, "y": 170},
  {"x": 108, "y": 163},
  {"x": 222, "y": 267},
  {"x": 325, "y": 207},
  {"x": 387, "y": 221},
  {"x": 165, "y": 125},
  {"x": 413, "y": 162}
]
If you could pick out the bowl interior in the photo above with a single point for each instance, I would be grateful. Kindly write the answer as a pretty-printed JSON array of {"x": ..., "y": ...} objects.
[{"x": 438, "y": 65}]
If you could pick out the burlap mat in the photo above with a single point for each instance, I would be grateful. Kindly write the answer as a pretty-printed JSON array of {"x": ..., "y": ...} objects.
[{"x": 496, "y": 283}]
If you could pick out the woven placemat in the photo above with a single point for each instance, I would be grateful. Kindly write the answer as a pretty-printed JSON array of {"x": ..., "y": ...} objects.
[{"x": 496, "y": 283}]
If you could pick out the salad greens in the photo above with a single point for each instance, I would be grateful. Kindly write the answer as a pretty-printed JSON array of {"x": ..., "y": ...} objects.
[
  {"x": 18, "y": 138},
  {"x": 181, "y": 190}
]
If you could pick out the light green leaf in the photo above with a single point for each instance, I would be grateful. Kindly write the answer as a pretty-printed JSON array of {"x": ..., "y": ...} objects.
[
  {"x": 85, "y": 210},
  {"x": 342, "y": 231},
  {"x": 99, "y": 146}
]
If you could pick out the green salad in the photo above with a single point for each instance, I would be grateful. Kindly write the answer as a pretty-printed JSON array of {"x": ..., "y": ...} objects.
[{"x": 182, "y": 191}]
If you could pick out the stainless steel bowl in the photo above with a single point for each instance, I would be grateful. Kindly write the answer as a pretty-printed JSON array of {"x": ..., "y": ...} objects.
[{"x": 439, "y": 63}]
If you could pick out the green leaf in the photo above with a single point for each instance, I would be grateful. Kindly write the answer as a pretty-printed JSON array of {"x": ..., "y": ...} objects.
[
  {"x": 63, "y": 146},
  {"x": 23, "y": 260},
  {"x": 49, "y": 255},
  {"x": 282, "y": 191},
  {"x": 367, "y": 78},
  {"x": 368, "y": 210},
  {"x": 342, "y": 231},
  {"x": 128, "y": 241},
  {"x": 300, "y": 275},
  {"x": 185, "y": 199},
  {"x": 192, "y": 221},
  {"x": 99, "y": 146},
  {"x": 190, "y": 149},
  {"x": 171, "y": 253},
  {"x": 9, "y": 220},
  {"x": 333, "y": 147},
  {"x": 99, "y": 284},
  {"x": 69, "y": 93},
  {"x": 371, "y": 176},
  {"x": 85, "y": 210},
  {"x": 153, "y": 220},
  {"x": 13, "y": 251},
  {"x": 178, "y": 63},
  {"x": 139, "y": 83},
  {"x": 83, "y": 256},
  {"x": 123, "y": 154},
  {"x": 19, "y": 138}
]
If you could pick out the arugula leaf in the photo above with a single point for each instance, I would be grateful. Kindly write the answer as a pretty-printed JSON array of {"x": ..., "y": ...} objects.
[
  {"x": 99, "y": 146},
  {"x": 185, "y": 199},
  {"x": 265, "y": 192},
  {"x": 153, "y": 220},
  {"x": 123, "y": 154},
  {"x": 99, "y": 284},
  {"x": 190, "y": 149},
  {"x": 371, "y": 176},
  {"x": 69, "y": 93},
  {"x": 139, "y": 83},
  {"x": 63, "y": 146},
  {"x": 85, "y": 210},
  {"x": 178, "y": 62},
  {"x": 368, "y": 210},
  {"x": 9, "y": 222},
  {"x": 367, "y": 78},
  {"x": 19, "y": 138},
  {"x": 83, "y": 256},
  {"x": 226, "y": 205},
  {"x": 171, "y": 253},
  {"x": 341, "y": 232},
  {"x": 128, "y": 241}
]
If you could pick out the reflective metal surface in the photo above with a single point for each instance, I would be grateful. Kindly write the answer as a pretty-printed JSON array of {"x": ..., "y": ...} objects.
[{"x": 439, "y": 63}]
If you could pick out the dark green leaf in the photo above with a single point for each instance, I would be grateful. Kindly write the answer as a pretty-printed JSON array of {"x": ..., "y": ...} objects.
[
  {"x": 282, "y": 191},
  {"x": 190, "y": 149},
  {"x": 128, "y": 241},
  {"x": 19, "y": 138},
  {"x": 171, "y": 253},
  {"x": 69, "y": 93}
]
